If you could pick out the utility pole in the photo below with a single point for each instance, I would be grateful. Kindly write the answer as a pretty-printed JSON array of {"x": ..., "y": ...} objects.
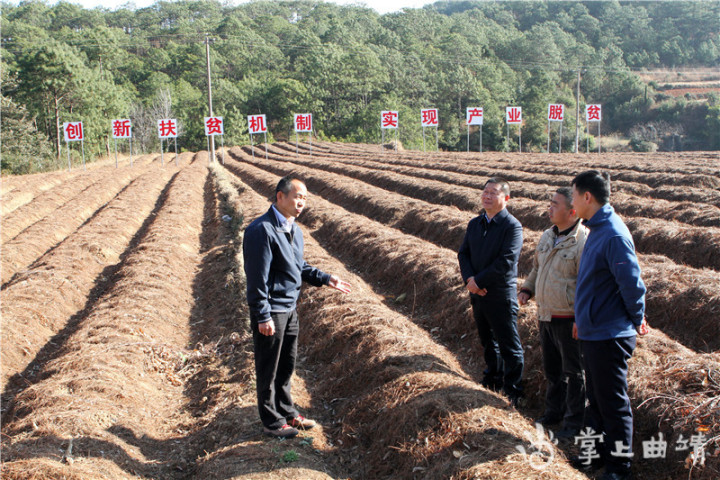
[
  {"x": 207, "y": 58},
  {"x": 577, "y": 116}
]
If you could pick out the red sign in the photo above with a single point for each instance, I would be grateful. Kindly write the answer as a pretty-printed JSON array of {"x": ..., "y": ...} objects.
[
  {"x": 474, "y": 116},
  {"x": 167, "y": 128},
  {"x": 73, "y": 131},
  {"x": 303, "y": 122},
  {"x": 513, "y": 115},
  {"x": 389, "y": 119},
  {"x": 429, "y": 117},
  {"x": 593, "y": 113},
  {"x": 214, "y": 126},
  {"x": 257, "y": 124},
  {"x": 122, "y": 128},
  {"x": 556, "y": 112}
]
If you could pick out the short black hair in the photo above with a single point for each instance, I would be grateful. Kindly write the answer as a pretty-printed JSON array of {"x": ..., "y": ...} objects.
[
  {"x": 567, "y": 193},
  {"x": 504, "y": 185},
  {"x": 595, "y": 182},
  {"x": 285, "y": 184}
]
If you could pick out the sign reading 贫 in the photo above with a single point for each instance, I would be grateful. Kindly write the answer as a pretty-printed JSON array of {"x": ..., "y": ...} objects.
[
  {"x": 513, "y": 115},
  {"x": 73, "y": 131},
  {"x": 214, "y": 126},
  {"x": 303, "y": 122},
  {"x": 167, "y": 128},
  {"x": 389, "y": 119},
  {"x": 122, "y": 128},
  {"x": 593, "y": 113},
  {"x": 429, "y": 117},
  {"x": 257, "y": 124},
  {"x": 556, "y": 112},
  {"x": 474, "y": 116}
]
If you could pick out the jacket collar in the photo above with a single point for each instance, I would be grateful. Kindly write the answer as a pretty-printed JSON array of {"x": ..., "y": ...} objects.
[
  {"x": 501, "y": 215},
  {"x": 600, "y": 217}
]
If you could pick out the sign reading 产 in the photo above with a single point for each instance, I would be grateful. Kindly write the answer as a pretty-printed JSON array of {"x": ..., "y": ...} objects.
[
  {"x": 429, "y": 118},
  {"x": 257, "y": 124},
  {"x": 593, "y": 113},
  {"x": 303, "y": 123},
  {"x": 556, "y": 113},
  {"x": 389, "y": 120},
  {"x": 167, "y": 128},
  {"x": 121, "y": 128},
  {"x": 474, "y": 116},
  {"x": 513, "y": 116},
  {"x": 73, "y": 132},
  {"x": 215, "y": 126}
]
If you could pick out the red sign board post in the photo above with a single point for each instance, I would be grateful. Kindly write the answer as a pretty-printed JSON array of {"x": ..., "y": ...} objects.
[
  {"x": 474, "y": 116},
  {"x": 556, "y": 113},
  {"x": 303, "y": 123},
  {"x": 167, "y": 128},
  {"x": 257, "y": 124},
  {"x": 513, "y": 116},
  {"x": 429, "y": 118},
  {"x": 593, "y": 113},
  {"x": 122, "y": 128},
  {"x": 215, "y": 126},
  {"x": 73, "y": 132},
  {"x": 389, "y": 120}
]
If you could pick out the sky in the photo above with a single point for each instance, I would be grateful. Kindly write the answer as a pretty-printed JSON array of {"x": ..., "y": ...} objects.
[{"x": 380, "y": 6}]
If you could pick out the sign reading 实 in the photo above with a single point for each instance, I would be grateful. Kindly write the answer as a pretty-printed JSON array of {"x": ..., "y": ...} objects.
[
  {"x": 73, "y": 131},
  {"x": 474, "y": 116},
  {"x": 122, "y": 128},
  {"x": 303, "y": 122},
  {"x": 429, "y": 117},
  {"x": 593, "y": 113},
  {"x": 513, "y": 115},
  {"x": 257, "y": 124},
  {"x": 167, "y": 128},
  {"x": 388, "y": 119},
  {"x": 556, "y": 112}
]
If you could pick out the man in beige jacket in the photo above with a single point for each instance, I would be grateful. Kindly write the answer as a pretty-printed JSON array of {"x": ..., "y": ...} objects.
[{"x": 552, "y": 283}]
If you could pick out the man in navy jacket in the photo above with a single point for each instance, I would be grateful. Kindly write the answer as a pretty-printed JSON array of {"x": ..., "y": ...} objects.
[
  {"x": 275, "y": 269},
  {"x": 488, "y": 260},
  {"x": 609, "y": 312}
]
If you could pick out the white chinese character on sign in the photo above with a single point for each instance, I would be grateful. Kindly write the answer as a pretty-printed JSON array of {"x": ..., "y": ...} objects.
[
  {"x": 655, "y": 448},
  {"x": 588, "y": 440},
  {"x": 622, "y": 450}
]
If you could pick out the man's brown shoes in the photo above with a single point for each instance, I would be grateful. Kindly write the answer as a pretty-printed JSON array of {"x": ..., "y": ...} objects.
[
  {"x": 302, "y": 423},
  {"x": 286, "y": 431}
]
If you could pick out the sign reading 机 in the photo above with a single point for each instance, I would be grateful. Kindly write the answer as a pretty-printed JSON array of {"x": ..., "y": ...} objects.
[
  {"x": 303, "y": 122},
  {"x": 257, "y": 124},
  {"x": 474, "y": 116},
  {"x": 167, "y": 128},
  {"x": 513, "y": 115},
  {"x": 429, "y": 117},
  {"x": 389, "y": 119},
  {"x": 122, "y": 128},
  {"x": 214, "y": 126},
  {"x": 73, "y": 131}
]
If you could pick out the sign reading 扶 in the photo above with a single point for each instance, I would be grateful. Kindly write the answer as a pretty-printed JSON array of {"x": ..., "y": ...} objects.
[
  {"x": 214, "y": 126},
  {"x": 167, "y": 128},
  {"x": 389, "y": 119},
  {"x": 303, "y": 122}
]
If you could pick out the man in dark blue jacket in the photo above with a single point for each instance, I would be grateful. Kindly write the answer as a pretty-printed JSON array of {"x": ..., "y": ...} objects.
[
  {"x": 488, "y": 260},
  {"x": 609, "y": 312},
  {"x": 275, "y": 269}
]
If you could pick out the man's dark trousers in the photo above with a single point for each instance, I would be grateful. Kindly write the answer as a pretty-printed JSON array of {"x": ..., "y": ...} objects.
[
  {"x": 274, "y": 365},
  {"x": 609, "y": 411},
  {"x": 496, "y": 320},
  {"x": 565, "y": 396}
]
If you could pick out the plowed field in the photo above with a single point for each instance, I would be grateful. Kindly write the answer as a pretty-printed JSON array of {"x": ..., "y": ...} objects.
[{"x": 126, "y": 351}]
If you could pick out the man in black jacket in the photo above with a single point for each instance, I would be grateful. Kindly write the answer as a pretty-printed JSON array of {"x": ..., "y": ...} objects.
[
  {"x": 275, "y": 269},
  {"x": 488, "y": 260}
]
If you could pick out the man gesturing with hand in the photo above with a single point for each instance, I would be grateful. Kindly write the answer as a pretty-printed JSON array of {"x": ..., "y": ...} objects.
[{"x": 275, "y": 269}]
